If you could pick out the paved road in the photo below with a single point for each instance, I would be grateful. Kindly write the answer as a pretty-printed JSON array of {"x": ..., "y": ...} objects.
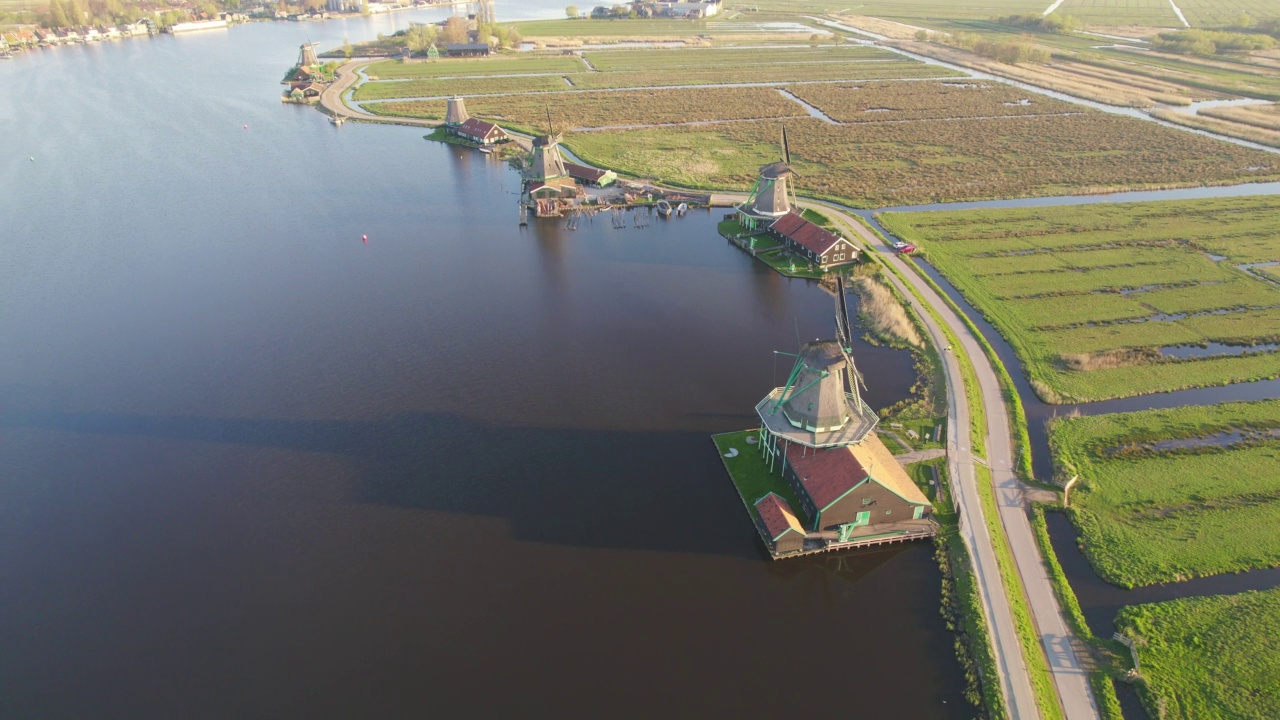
[{"x": 1069, "y": 675}]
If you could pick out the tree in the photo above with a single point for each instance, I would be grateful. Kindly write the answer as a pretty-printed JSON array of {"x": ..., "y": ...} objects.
[
  {"x": 57, "y": 14},
  {"x": 571, "y": 11},
  {"x": 347, "y": 50},
  {"x": 455, "y": 31},
  {"x": 364, "y": 8},
  {"x": 420, "y": 37}
]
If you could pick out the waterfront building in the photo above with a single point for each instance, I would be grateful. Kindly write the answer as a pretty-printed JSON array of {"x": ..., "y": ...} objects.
[
  {"x": 545, "y": 175},
  {"x": 455, "y": 112},
  {"x": 816, "y": 244},
  {"x": 480, "y": 132},
  {"x": 779, "y": 525},
  {"x": 594, "y": 177},
  {"x": 817, "y": 435}
]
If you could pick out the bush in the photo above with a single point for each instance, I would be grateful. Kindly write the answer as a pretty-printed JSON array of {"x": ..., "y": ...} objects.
[{"x": 1210, "y": 42}]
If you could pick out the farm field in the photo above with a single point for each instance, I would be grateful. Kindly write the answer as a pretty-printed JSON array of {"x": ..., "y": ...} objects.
[
  {"x": 1151, "y": 13},
  {"x": 472, "y": 67},
  {"x": 1167, "y": 495},
  {"x": 634, "y": 69},
  {"x": 603, "y": 109},
  {"x": 908, "y": 10},
  {"x": 435, "y": 87},
  {"x": 926, "y": 100},
  {"x": 586, "y": 27},
  {"x": 1099, "y": 301},
  {"x": 1209, "y": 657},
  {"x": 1219, "y": 13},
  {"x": 897, "y": 163}
]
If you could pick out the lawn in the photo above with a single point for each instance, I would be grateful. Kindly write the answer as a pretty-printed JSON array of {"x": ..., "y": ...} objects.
[
  {"x": 1151, "y": 513},
  {"x": 1088, "y": 295},
  {"x": 750, "y": 473},
  {"x": 1208, "y": 657}
]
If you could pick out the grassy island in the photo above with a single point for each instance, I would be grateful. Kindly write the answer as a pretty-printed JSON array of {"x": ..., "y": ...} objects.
[
  {"x": 1167, "y": 495},
  {"x": 1208, "y": 657}
]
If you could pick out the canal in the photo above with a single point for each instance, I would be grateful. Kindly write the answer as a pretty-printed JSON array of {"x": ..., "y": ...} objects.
[{"x": 255, "y": 466}]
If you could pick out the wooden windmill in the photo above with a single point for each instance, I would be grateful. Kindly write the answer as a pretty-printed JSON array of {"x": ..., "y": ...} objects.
[{"x": 771, "y": 197}]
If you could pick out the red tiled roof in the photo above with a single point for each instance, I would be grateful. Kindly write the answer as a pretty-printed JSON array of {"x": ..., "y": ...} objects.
[
  {"x": 825, "y": 474},
  {"x": 480, "y": 129},
  {"x": 777, "y": 517},
  {"x": 804, "y": 233},
  {"x": 583, "y": 172}
]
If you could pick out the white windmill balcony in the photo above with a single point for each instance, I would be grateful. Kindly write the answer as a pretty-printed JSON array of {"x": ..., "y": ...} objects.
[{"x": 862, "y": 420}]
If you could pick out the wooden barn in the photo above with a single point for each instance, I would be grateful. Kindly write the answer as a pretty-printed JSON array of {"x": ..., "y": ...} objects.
[
  {"x": 808, "y": 240},
  {"x": 779, "y": 525},
  {"x": 467, "y": 49},
  {"x": 594, "y": 177},
  {"x": 857, "y": 486}
]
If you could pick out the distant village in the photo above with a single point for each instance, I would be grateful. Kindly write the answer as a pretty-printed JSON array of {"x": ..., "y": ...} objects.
[
  {"x": 646, "y": 9},
  {"x": 56, "y": 28}
]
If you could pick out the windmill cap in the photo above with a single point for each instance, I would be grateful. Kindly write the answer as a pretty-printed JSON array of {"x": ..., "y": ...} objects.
[
  {"x": 822, "y": 354},
  {"x": 773, "y": 171}
]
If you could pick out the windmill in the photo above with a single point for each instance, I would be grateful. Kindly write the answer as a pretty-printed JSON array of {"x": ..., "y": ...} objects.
[
  {"x": 455, "y": 112},
  {"x": 545, "y": 162},
  {"x": 770, "y": 197}
]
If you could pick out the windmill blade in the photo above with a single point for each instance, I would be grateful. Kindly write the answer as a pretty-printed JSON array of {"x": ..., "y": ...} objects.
[
  {"x": 786, "y": 151},
  {"x": 551, "y": 131}
]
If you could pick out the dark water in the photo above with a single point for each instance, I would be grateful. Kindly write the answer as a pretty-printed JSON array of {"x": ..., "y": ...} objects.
[{"x": 254, "y": 467}]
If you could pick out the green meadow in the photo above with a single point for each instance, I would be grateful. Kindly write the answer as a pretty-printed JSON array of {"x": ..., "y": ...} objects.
[
  {"x": 1088, "y": 295},
  {"x": 1150, "y": 510},
  {"x": 1208, "y": 657}
]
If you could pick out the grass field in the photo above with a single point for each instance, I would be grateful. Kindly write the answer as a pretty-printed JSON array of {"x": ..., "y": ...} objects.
[
  {"x": 1151, "y": 511},
  {"x": 750, "y": 473},
  {"x": 926, "y": 100},
  {"x": 586, "y": 27},
  {"x": 473, "y": 67},
  {"x": 604, "y": 109},
  {"x": 1209, "y": 657},
  {"x": 884, "y": 164},
  {"x": 1088, "y": 295},
  {"x": 437, "y": 87}
]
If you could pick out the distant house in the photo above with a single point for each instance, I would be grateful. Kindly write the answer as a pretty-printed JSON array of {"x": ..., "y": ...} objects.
[
  {"x": 480, "y": 132},
  {"x": 591, "y": 176},
  {"x": 857, "y": 486},
  {"x": 467, "y": 49},
  {"x": 20, "y": 38},
  {"x": 822, "y": 247},
  {"x": 779, "y": 525}
]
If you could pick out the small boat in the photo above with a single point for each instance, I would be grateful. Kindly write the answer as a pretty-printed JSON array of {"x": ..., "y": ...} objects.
[
  {"x": 664, "y": 208},
  {"x": 337, "y": 119},
  {"x": 682, "y": 208},
  {"x": 6, "y": 55},
  {"x": 486, "y": 150}
]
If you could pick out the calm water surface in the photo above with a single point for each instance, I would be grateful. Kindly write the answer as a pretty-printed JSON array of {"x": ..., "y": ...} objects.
[{"x": 254, "y": 467}]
